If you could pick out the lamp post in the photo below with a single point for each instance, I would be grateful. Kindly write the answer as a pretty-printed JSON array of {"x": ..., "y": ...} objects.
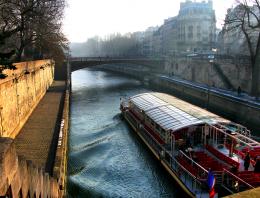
[{"x": 211, "y": 61}]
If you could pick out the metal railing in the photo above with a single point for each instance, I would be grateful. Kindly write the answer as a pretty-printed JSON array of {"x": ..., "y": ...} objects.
[
  {"x": 202, "y": 173},
  {"x": 233, "y": 183},
  {"x": 108, "y": 58},
  {"x": 194, "y": 183}
]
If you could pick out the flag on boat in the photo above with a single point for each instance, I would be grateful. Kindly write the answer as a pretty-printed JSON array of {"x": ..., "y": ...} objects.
[
  {"x": 211, "y": 179},
  {"x": 211, "y": 183},
  {"x": 212, "y": 193}
]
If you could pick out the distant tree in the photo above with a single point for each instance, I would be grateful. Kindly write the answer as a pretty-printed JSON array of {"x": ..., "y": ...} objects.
[
  {"x": 116, "y": 45},
  {"x": 245, "y": 17}
]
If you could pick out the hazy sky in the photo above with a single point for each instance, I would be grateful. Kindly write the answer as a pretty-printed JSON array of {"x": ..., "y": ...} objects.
[{"x": 88, "y": 18}]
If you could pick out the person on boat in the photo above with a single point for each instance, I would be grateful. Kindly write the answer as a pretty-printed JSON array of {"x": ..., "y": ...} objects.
[
  {"x": 234, "y": 169},
  {"x": 247, "y": 161},
  {"x": 188, "y": 143},
  {"x": 194, "y": 157},
  {"x": 257, "y": 165},
  {"x": 207, "y": 139},
  {"x": 189, "y": 152}
]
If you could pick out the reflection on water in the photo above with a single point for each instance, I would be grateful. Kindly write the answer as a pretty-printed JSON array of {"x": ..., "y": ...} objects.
[{"x": 106, "y": 158}]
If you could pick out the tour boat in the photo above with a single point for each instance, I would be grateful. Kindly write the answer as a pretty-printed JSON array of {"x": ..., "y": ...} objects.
[{"x": 203, "y": 152}]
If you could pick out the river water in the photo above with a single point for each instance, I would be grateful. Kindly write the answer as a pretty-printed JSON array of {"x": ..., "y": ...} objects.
[{"x": 106, "y": 158}]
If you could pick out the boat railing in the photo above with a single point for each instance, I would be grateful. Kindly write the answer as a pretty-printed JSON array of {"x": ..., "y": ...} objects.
[
  {"x": 193, "y": 182},
  {"x": 177, "y": 166},
  {"x": 241, "y": 129},
  {"x": 154, "y": 142},
  {"x": 218, "y": 176},
  {"x": 201, "y": 171},
  {"x": 245, "y": 140},
  {"x": 233, "y": 183}
]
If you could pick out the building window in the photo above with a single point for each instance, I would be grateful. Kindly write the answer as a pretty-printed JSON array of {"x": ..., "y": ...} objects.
[
  {"x": 198, "y": 29},
  {"x": 190, "y": 33},
  {"x": 199, "y": 36}
]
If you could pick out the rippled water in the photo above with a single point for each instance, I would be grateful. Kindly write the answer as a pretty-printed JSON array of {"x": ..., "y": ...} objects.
[{"x": 106, "y": 158}]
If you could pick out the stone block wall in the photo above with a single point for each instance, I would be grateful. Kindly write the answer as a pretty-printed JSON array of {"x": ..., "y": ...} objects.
[
  {"x": 238, "y": 111},
  {"x": 20, "y": 178},
  {"x": 203, "y": 71},
  {"x": 20, "y": 93},
  {"x": 60, "y": 166}
]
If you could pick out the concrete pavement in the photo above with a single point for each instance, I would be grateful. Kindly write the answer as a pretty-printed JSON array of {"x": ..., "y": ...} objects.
[{"x": 37, "y": 140}]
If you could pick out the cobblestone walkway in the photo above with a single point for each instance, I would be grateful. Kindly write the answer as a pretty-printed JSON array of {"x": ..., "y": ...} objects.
[{"x": 38, "y": 138}]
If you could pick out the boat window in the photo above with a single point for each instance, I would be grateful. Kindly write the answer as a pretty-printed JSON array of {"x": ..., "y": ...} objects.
[
  {"x": 157, "y": 127},
  {"x": 163, "y": 133}
]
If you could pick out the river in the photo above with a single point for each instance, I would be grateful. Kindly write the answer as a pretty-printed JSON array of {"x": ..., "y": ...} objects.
[{"x": 106, "y": 158}]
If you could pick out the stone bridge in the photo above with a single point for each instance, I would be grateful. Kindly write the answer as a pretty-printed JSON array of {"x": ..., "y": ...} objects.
[{"x": 83, "y": 62}]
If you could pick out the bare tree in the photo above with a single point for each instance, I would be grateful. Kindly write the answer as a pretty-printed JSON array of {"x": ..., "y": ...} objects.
[
  {"x": 245, "y": 17},
  {"x": 29, "y": 27},
  {"x": 115, "y": 45}
]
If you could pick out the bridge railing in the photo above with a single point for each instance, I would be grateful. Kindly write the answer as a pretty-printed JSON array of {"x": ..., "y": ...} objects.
[{"x": 107, "y": 58}]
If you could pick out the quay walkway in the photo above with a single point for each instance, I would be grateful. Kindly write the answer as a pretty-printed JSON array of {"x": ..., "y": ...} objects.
[
  {"x": 233, "y": 95},
  {"x": 37, "y": 140}
]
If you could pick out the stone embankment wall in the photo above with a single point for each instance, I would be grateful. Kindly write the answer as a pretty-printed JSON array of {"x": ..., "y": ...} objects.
[
  {"x": 136, "y": 71},
  {"x": 20, "y": 178},
  {"x": 201, "y": 70},
  {"x": 60, "y": 166},
  {"x": 20, "y": 93},
  {"x": 239, "y": 111},
  {"x": 220, "y": 73}
]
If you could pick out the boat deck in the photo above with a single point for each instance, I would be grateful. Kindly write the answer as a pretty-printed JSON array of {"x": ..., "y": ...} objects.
[
  {"x": 192, "y": 141},
  {"x": 218, "y": 161},
  {"x": 254, "y": 193}
]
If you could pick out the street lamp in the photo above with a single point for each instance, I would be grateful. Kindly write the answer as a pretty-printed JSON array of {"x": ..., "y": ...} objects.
[{"x": 211, "y": 61}]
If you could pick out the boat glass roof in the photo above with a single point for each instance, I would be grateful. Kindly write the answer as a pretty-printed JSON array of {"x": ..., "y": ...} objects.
[
  {"x": 166, "y": 115},
  {"x": 147, "y": 101}
]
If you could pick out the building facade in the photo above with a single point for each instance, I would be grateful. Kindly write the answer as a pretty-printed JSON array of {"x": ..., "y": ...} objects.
[
  {"x": 192, "y": 30},
  {"x": 196, "y": 25}
]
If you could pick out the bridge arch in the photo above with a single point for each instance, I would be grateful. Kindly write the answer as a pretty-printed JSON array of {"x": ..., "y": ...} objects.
[{"x": 84, "y": 62}]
